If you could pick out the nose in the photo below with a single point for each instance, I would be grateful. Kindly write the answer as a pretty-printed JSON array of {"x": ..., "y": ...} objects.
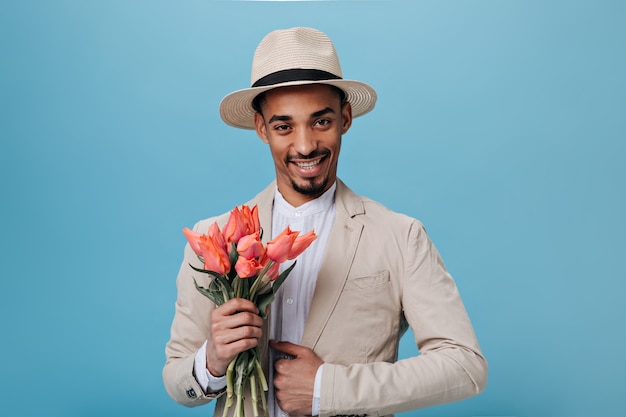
[{"x": 304, "y": 142}]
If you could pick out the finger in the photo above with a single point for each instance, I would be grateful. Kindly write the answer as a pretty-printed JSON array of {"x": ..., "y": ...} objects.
[
  {"x": 229, "y": 335},
  {"x": 235, "y": 320}
]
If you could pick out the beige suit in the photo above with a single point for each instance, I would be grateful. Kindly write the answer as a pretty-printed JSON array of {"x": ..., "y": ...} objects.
[{"x": 381, "y": 273}]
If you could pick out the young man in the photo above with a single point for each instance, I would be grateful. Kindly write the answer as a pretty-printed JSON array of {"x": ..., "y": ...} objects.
[{"x": 330, "y": 345}]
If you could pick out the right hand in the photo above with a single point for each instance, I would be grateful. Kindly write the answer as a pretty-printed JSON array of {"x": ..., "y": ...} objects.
[{"x": 235, "y": 327}]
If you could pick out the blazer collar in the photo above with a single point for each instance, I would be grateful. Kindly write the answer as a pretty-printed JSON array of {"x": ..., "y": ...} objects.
[{"x": 348, "y": 205}]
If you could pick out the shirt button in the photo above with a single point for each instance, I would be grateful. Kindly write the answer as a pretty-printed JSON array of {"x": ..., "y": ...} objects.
[
  {"x": 298, "y": 213},
  {"x": 290, "y": 301}
]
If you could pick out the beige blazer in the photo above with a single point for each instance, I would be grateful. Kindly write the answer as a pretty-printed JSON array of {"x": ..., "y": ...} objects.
[{"x": 380, "y": 274}]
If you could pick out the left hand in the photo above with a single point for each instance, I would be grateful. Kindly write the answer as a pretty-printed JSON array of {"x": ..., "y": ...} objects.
[{"x": 294, "y": 378}]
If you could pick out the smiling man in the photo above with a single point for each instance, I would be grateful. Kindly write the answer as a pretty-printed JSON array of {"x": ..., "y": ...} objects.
[
  {"x": 303, "y": 126},
  {"x": 330, "y": 346}
]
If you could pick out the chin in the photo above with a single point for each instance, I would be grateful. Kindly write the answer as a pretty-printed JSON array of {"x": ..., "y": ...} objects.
[{"x": 311, "y": 188}]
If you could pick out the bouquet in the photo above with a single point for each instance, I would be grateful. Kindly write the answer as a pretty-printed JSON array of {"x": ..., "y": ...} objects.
[{"x": 242, "y": 267}]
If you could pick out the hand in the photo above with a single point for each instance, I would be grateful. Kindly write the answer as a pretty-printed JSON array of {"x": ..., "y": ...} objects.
[
  {"x": 235, "y": 327},
  {"x": 294, "y": 378}
]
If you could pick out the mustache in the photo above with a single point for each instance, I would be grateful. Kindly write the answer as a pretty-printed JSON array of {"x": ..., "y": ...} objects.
[{"x": 312, "y": 155}]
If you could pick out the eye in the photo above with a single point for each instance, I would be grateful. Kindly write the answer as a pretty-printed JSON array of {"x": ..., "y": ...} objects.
[
  {"x": 282, "y": 128},
  {"x": 323, "y": 122}
]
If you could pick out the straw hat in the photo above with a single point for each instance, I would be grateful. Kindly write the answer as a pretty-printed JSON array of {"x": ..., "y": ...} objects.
[{"x": 294, "y": 56}]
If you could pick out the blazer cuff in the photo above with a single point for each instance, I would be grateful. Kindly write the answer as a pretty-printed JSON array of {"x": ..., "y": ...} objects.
[
  {"x": 210, "y": 384},
  {"x": 184, "y": 387}
]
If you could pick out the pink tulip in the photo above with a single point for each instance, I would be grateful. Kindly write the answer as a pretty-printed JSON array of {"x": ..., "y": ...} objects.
[
  {"x": 250, "y": 246},
  {"x": 278, "y": 248},
  {"x": 247, "y": 268},
  {"x": 301, "y": 243}
]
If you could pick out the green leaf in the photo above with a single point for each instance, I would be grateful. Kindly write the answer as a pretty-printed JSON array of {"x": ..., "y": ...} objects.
[
  {"x": 204, "y": 271},
  {"x": 245, "y": 288},
  {"x": 215, "y": 296},
  {"x": 225, "y": 285},
  {"x": 264, "y": 300},
  {"x": 281, "y": 278}
]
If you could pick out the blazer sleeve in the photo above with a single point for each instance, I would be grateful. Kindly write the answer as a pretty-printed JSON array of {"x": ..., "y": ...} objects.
[
  {"x": 189, "y": 330},
  {"x": 450, "y": 365}
]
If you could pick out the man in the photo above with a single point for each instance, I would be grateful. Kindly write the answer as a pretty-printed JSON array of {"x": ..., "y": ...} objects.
[{"x": 332, "y": 338}]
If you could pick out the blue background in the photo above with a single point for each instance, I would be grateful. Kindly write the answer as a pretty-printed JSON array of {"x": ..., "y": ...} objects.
[{"x": 500, "y": 124}]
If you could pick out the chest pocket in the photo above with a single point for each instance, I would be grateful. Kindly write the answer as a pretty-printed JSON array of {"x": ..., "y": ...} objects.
[
  {"x": 365, "y": 322},
  {"x": 368, "y": 282}
]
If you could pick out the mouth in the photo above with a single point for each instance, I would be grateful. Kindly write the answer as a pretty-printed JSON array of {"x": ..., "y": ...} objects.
[{"x": 309, "y": 166}]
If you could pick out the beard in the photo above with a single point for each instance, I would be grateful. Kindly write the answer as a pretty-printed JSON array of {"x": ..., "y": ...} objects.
[{"x": 311, "y": 188}]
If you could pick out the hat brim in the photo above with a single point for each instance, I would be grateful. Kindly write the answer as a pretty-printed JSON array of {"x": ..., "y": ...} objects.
[{"x": 236, "y": 108}]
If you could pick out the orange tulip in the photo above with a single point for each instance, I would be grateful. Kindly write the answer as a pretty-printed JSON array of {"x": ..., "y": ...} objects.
[
  {"x": 241, "y": 222},
  {"x": 194, "y": 239},
  {"x": 214, "y": 231},
  {"x": 301, "y": 243},
  {"x": 247, "y": 268},
  {"x": 215, "y": 256},
  {"x": 251, "y": 219},
  {"x": 278, "y": 248},
  {"x": 250, "y": 246},
  {"x": 235, "y": 228}
]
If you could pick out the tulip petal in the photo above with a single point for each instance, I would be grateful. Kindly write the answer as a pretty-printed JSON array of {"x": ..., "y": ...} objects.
[
  {"x": 194, "y": 240},
  {"x": 278, "y": 248},
  {"x": 301, "y": 243}
]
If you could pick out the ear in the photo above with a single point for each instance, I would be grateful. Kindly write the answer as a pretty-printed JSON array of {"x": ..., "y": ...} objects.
[
  {"x": 261, "y": 129},
  {"x": 346, "y": 117}
]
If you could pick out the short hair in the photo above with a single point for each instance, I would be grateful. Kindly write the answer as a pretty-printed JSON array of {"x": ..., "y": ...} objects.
[{"x": 257, "y": 102}]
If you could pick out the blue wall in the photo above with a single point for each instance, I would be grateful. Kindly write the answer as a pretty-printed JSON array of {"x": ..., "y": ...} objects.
[{"x": 500, "y": 124}]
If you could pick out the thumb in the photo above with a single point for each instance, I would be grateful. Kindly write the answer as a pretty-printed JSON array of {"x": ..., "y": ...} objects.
[{"x": 287, "y": 347}]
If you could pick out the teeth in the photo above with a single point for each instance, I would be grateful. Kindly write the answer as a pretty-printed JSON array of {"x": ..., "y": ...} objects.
[{"x": 308, "y": 165}]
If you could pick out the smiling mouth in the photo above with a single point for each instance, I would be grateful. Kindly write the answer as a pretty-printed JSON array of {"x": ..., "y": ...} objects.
[{"x": 308, "y": 164}]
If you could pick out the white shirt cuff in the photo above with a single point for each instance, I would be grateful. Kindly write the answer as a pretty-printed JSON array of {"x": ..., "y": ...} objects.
[
  {"x": 207, "y": 382},
  {"x": 317, "y": 391}
]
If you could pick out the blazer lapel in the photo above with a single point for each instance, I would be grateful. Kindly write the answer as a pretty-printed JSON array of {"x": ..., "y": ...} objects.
[{"x": 338, "y": 258}]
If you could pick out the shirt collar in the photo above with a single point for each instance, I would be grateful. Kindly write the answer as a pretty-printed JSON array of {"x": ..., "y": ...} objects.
[{"x": 318, "y": 205}]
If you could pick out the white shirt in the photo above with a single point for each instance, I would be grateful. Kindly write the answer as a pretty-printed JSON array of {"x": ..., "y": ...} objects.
[{"x": 290, "y": 308}]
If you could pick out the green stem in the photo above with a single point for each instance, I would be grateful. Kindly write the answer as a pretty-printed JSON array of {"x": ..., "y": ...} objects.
[
  {"x": 237, "y": 287},
  {"x": 238, "y": 410},
  {"x": 253, "y": 392},
  {"x": 261, "y": 374},
  {"x": 229, "y": 386},
  {"x": 225, "y": 293},
  {"x": 263, "y": 399}
]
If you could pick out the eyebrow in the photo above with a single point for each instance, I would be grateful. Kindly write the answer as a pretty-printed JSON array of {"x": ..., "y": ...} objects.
[{"x": 318, "y": 113}]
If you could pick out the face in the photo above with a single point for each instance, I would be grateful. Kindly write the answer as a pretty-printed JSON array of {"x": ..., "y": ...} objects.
[{"x": 303, "y": 126}]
